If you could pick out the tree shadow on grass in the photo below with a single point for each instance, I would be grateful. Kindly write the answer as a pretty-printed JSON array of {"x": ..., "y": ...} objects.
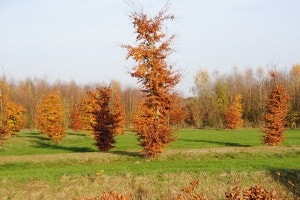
[
  {"x": 35, "y": 136},
  {"x": 232, "y": 144},
  {"x": 51, "y": 145},
  {"x": 77, "y": 134},
  {"x": 127, "y": 153},
  {"x": 290, "y": 179}
]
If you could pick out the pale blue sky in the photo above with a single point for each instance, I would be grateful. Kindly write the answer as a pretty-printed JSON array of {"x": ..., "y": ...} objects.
[{"x": 80, "y": 39}]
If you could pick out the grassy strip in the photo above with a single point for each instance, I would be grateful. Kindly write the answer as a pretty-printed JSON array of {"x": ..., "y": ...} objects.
[
  {"x": 33, "y": 167},
  {"x": 32, "y": 143},
  {"x": 120, "y": 165}
]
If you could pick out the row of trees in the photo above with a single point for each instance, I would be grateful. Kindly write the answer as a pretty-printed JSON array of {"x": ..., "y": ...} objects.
[
  {"x": 219, "y": 101},
  {"x": 101, "y": 112},
  {"x": 214, "y": 95}
]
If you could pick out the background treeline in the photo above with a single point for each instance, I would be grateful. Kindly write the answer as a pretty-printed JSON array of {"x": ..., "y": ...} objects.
[{"x": 213, "y": 94}]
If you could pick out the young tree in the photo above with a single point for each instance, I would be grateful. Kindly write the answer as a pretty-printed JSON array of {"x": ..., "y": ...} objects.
[
  {"x": 76, "y": 121},
  {"x": 50, "y": 116},
  {"x": 294, "y": 80},
  {"x": 117, "y": 107},
  {"x": 276, "y": 113},
  {"x": 13, "y": 116},
  {"x": 157, "y": 79},
  {"x": 88, "y": 106},
  {"x": 202, "y": 104},
  {"x": 220, "y": 104},
  {"x": 235, "y": 113},
  {"x": 3, "y": 128},
  {"x": 178, "y": 111},
  {"x": 105, "y": 121}
]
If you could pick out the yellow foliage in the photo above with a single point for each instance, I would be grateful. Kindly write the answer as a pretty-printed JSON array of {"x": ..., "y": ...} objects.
[
  {"x": 87, "y": 107},
  {"x": 50, "y": 116},
  {"x": 13, "y": 116}
]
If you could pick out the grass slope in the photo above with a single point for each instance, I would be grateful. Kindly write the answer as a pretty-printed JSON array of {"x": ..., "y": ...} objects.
[{"x": 218, "y": 157}]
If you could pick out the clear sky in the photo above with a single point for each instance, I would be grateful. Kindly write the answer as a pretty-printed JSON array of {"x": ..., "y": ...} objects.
[{"x": 80, "y": 39}]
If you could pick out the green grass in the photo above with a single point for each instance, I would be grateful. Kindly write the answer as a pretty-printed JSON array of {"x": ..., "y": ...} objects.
[
  {"x": 31, "y": 143},
  {"x": 177, "y": 163},
  {"x": 193, "y": 138},
  {"x": 30, "y": 157}
]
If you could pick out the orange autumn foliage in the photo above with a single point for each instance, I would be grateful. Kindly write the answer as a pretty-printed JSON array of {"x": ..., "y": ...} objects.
[
  {"x": 178, "y": 110},
  {"x": 157, "y": 79},
  {"x": 234, "y": 114},
  {"x": 117, "y": 108},
  {"x": 50, "y": 116},
  {"x": 276, "y": 114},
  {"x": 76, "y": 121},
  {"x": 88, "y": 105},
  {"x": 12, "y": 118}
]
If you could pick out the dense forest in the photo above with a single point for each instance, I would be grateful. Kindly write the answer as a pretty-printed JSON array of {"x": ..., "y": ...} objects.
[{"x": 213, "y": 96}]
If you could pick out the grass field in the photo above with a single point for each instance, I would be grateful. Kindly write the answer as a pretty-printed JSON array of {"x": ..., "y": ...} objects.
[{"x": 33, "y": 167}]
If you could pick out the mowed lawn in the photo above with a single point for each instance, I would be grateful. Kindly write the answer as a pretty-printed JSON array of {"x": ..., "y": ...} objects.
[{"x": 215, "y": 157}]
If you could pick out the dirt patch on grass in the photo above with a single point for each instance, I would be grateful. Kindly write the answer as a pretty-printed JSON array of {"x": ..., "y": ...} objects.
[{"x": 220, "y": 150}]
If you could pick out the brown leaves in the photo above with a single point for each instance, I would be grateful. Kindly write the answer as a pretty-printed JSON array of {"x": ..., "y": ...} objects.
[
  {"x": 106, "y": 196},
  {"x": 254, "y": 192},
  {"x": 76, "y": 119},
  {"x": 275, "y": 116},
  {"x": 149, "y": 30},
  {"x": 109, "y": 117},
  {"x": 50, "y": 116},
  {"x": 178, "y": 110},
  {"x": 103, "y": 129},
  {"x": 157, "y": 78},
  {"x": 188, "y": 192}
]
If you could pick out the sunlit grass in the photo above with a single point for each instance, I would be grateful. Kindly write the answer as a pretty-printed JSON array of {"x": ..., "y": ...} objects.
[
  {"x": 216, "y": 157},
  {"x": 30, "y": 143}
]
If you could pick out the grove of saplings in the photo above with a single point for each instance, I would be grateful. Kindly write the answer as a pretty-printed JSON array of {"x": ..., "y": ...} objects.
[{"x": 252, "y": 98}]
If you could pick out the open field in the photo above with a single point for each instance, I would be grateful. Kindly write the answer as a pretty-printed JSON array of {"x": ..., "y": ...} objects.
[{"x": 32, "y": 167}]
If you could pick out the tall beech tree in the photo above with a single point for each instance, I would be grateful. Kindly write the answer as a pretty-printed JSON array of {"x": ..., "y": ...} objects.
[
  {"x": 107, "y": 119},
  {"x": 50, "y": 116},
  {"x": 156, "y": 77},
  {"x": 276, "y": 113}
]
